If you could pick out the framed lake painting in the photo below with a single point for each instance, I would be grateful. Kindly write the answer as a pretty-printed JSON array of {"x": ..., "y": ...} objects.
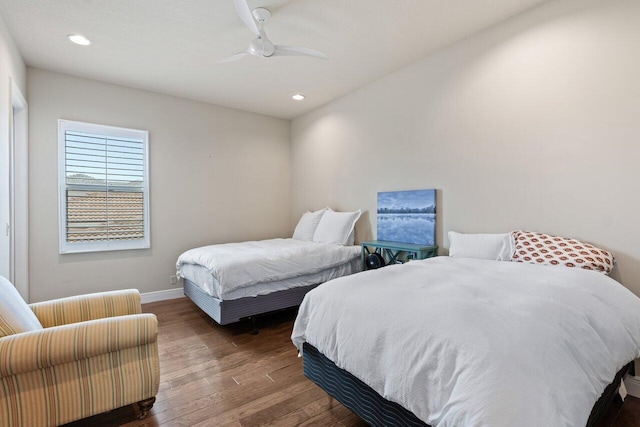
[{"x": 407, "y": 216}]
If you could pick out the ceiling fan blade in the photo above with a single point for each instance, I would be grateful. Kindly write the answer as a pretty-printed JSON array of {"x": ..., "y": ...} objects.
[
  {"x": 242, "y": 8},
  {"x": 298, "y": 51},
  {"x": 232, "y": 57}
]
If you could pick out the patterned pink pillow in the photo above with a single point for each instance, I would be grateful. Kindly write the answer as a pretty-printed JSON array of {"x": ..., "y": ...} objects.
[{"x": 539, "y": 248}]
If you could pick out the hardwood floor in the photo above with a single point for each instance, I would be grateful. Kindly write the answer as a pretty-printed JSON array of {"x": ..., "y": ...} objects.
[{"x": 216, "y": 375}]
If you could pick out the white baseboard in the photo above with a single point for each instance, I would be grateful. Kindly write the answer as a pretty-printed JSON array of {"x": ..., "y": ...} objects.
[
  {"x": 161, "y": 295},
  {"x": 633, "y": 385}
]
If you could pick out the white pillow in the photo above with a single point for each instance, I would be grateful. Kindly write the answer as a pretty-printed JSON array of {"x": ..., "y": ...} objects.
[
  {"x": 307, "y": 225},
  {"x": 352, "y": 236},
  {"x": 498, "y": 247},
  {"x": 335, "y": 227}
]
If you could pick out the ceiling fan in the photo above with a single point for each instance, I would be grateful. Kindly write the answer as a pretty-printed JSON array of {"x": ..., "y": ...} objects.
[{"x": 261, "y": 46}]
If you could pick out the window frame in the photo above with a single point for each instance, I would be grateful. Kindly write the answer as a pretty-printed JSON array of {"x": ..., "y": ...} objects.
[{"x": 66, "y": 247}]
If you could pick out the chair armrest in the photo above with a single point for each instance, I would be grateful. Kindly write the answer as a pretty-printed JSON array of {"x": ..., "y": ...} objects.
[
  {"x": 43, "y": 348},
  {"x": 82, "y": 308}
]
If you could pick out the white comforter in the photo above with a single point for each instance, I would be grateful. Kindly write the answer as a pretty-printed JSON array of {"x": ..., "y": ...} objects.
[
  {"x": 238, "y": 265},
  {"x": 465, "y": 342}
]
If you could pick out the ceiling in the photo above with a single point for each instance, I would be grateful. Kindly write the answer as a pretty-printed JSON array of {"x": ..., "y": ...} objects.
[{"x": 171, "y": 46}]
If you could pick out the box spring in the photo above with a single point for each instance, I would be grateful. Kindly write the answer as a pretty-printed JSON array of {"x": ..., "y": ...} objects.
[{"x": 231, "y": 311}]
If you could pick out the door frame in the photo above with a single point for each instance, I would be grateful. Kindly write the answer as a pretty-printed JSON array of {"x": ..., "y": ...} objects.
[{"x": 19, "y": 189}]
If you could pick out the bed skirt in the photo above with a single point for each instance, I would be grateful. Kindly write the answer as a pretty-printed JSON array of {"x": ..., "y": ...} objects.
[{"x": 376, "y": 411}]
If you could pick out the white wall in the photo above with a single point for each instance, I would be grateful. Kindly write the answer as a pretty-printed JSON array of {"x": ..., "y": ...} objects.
[
  {"x": 12, "y": 67},
  {"x": 216, "y": 175},
  {"x": 533, "y": 124}
]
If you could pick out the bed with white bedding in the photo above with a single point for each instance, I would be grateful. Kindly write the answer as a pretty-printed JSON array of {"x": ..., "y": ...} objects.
[
  {"x": 232, "y": 281},
  {"x": 462, "y": 342}
]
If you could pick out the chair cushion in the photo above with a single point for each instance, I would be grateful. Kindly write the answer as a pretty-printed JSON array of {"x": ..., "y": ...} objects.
[{"x": 15, "y": 314}]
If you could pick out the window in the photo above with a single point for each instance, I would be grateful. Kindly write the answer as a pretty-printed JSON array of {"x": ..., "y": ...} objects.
[{"x": 103, "y": 188}]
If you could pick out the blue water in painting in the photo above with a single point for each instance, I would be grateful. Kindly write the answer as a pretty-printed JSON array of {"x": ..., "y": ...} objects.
[{"x": 407, "y": 228}]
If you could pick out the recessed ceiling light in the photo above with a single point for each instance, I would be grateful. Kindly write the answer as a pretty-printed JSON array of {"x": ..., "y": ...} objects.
[
  {"x": 79, "y": 39},
  {"x": 298, "y": 97}
]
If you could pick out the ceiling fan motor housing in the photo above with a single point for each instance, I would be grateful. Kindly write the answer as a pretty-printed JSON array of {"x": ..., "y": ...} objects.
[{"x": 261, "y": 47}]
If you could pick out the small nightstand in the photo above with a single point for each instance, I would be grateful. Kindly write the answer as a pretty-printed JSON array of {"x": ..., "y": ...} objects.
[{"x": 392, "y": 251}]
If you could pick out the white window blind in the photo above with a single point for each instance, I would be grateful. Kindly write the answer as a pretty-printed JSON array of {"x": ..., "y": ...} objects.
[{"x": 103, "y": 188}]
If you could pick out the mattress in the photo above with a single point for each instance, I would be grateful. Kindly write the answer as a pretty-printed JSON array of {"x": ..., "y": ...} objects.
[
  {"x": 203, "y": 278},
  {"x": 236, "y": 267},
  {"x": 476, "y": 342}
]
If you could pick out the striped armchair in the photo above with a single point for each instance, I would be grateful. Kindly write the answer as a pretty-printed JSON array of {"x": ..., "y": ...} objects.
[{"x": 71, "y": 358}]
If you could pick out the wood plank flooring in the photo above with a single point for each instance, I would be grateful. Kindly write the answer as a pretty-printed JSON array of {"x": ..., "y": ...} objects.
[{"x": 214, "y": 375}]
